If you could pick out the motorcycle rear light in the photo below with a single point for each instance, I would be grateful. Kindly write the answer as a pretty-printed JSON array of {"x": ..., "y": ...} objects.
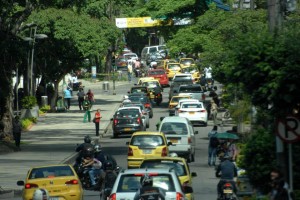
[
  {"x": 227, "y": 185},
  {"x": 113, "y": 196},
  {"x": 72, "y": 182},
  {"x": 164, "y": 152},
  {"x": 147, "y": 105},
  {"x": 130, "y": 152},
  {"x": 31, "y": 185},
  {"x": 115, "y": 122},
  {"x": 203, "y": 96},
  {"x": 179, "y": 196},
  {"x": 189, "y": 140},
  {"x": 139, "y": 120}
]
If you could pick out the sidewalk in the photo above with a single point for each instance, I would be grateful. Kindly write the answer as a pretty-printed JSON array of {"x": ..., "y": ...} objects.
[{"x": 53, "y": 139}]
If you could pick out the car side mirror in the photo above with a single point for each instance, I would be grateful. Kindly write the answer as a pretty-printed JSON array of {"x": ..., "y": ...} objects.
[
  {"x": 20, "y": 183},
  {"x": 196, "y": 132},
  {"x": 127, "y": 143},
  {"x": 187, "y": 189},
  {"x": 193, "y": 174},
  {"x": 170, "y": 143}
]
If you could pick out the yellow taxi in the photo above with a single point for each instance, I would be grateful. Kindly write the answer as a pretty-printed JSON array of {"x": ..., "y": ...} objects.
[
  {"x": 141, "y": 80},
  {"x": 179, "y": 164},
  {"x": 60, "y": 180},
  {"x": 186, "y": 62},
  {"x": 174, "y": 102},
  {"x": 192, "y": 70},
  {"x": 146, "y": 144},
  {"x": 172, "y": 69}
]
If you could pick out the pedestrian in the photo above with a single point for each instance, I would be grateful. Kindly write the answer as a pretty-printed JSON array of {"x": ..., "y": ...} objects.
[
  {"x": 214, "y": 111},
  {"x": 87, "y": 108},
  {"x": 129, "y": 70},
  {"x": 90, "y": 96},
  {"x": 280, "y": 188},
  {"x": 96, "y": 120},
  {"x": 231, "y": 149},
  {"x": 212, "y": 146},
  {"x": 67, "y": 97},
  {"x": 17, "y": 129},
  {"x": 81, "y": 96}
]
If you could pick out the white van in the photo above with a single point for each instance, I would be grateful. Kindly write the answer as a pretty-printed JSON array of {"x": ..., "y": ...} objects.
[{"x": 147, "y": 51}]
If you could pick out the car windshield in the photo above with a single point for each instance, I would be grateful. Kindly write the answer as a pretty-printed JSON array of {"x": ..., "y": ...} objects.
[
  {"x": 185, "y": 105},
  {"x": 138, "y": 90},
  {"x": 158, "y": 72},
  {"x": 135, "y": 105},
  {"x": 187, "y": 79},
  {"x": 147, "y": 141},
  {"x": 178, "y": 166},
  {"x": 190, "y": 89},
  {"x": 127, "y": 113},
  {"x": 131, "y": 182},
  {"x": 174, "y": 66},
  {"x": 151, "y": 84},
  {"x": 187, "y": 62},
  {"x": 176, "y": 128},
  {"x": 48, "y": 172}
]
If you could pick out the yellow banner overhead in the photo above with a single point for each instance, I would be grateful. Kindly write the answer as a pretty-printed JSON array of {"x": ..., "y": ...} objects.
[{"x": 136, "y": 22}]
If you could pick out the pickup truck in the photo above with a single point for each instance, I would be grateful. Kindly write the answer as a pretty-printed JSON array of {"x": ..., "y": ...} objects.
[
  {"x": 175, "y": 86},
  {"x": 195, "y": 91}
]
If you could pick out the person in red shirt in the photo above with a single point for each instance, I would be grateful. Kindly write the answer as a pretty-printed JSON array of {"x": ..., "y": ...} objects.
[{"x": 97, "y": 121}]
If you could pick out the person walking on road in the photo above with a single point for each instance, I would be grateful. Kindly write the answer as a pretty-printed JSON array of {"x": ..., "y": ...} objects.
[
  {"x": 90, "y": 96},
  {"x": 212, "y": 146},
  {"x": 67, "y": 97},
  {"x": 97, "y": 118},
  {"x": 87, "y": 108},
  {"x": 17, "y": 129},
  {"x": 214, "y": 111},
  {"x": 129, "y": 70},
  {"x": 81, "y": 96}
]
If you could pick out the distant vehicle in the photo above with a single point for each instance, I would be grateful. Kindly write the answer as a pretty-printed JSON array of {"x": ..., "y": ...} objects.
[
  {"x": 172, "y": 69},
  {"x": 195, "y": 112},
  {"x": 177, "y": 82},
  {"x": 122, "y": 60},
  {"x": 145, "y": 144},
  {"x": 187, "y": 62},
  {"x": 174, "y": 102},
  {"x": 60, "y": 180},
  {"x": 143, "y": 109},
  {"x": 144, "y": 99},
  {"x": 160, "y": 75},
  {"x": 195, "y": 91},
  {"x": 147, "y": 51}
]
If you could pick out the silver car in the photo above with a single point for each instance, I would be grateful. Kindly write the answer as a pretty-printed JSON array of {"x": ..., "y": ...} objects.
[
  {"x": 180, "y": 131},
  {"x": 128, "y": 183}
]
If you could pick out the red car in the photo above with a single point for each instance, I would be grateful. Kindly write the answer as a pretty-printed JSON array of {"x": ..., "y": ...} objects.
[{"x": 160, "y": 75}]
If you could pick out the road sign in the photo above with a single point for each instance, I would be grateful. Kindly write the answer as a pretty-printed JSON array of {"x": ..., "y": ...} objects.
[{"x": 288, "y": 129}]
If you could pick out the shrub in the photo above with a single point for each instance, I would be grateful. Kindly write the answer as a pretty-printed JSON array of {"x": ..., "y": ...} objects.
[
  {"x": 28, "y": 102},
  {"x": 26, "y": 123},
  {"x": 45, "y": 108}
]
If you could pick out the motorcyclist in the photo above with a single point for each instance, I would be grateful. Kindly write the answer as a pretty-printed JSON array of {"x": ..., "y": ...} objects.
[
  {"x": 80, "y": 148},
  {"x": 108, "y": 178},
  {"x": 227, "y": 171},
  {"x": 94, "y": 164},
  {"x": 148, "y": 191},
  {"x": 104, "y": 157}
]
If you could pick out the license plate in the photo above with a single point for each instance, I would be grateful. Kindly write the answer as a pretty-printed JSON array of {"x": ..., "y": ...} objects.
[
  {"x": 227, "y": 191},
  {"x": 192, "y": 113},
  {"x": 53, "y": 198},
  {"x": 174, "y": 141},
  {"x": 127, "y": 129},
  {"x": 147, "y": 151}
]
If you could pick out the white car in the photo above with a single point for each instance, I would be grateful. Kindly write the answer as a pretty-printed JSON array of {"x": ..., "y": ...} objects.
[
  {"x": 180, "y": 131},
  {"x": 184, "y": 76},
  {"x": 181, "y": 101},
  {"x": 128, "y": 183},
  {"x": 195, "y": 112},
  {"x": 140, "y": 111}
]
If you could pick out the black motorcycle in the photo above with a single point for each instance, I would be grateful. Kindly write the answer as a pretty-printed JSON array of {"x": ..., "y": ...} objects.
[
  {"x": 158, "y": 98},
  {"x": 227, "y": 191},
  {"x": 83, "y": 174},
  {"x": 108, "y": 183}
]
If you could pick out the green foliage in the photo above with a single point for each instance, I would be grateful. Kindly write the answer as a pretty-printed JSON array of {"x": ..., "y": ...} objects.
[
  {"x": 45, "y": 108},
  {"x": 28, "y": 102},
  {"x": 26, "y": 123},
  {"x": 259, "y": 158}
]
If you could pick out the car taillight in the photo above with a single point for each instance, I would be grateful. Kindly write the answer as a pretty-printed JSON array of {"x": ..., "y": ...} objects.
[
  {"x": 115, "y": 122},
  {"x": 189, "y": 140},
  {"x": 181, "y": 111},
  {"x": 203, "y": 97},
  {"x": 147, "y": 105},
  {"x": 138, "y": 120},
  {"x": 179, "y": 196},
  {"x": 158, "y": 95},
  {"x": 164, "y": 152},
  {"x": 113, "y": 196},
  {"x": 202, "y": 111},
  {"x": 72, "y": 182},
  {"x": 130, "y": 152},
  {"x": 31, "y": 185}
]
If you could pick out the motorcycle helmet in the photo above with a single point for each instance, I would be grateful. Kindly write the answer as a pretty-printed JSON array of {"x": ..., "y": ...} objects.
[
  {"x": 87, "y": 139},
  {"x": 146, "y": 180},
  {"x": 173, "y": 154},
  {"x": 40, "y": 194},
  {"x": 108, "y": 165},
  {"x": 88, "y": 152},
  {"x": 97, "y": 148}
]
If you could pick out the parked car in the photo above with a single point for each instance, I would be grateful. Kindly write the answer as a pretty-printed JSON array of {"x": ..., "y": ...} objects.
[
  {"x": 128, "y": 183},
  {"x": 60, "y": 180},
  {"x": 160, "y": 75},
  {"x": 178, "y": 164},
  {"x": 146, "y": 144},
  {"x": 195, "y": 112},
  {"x": 180, "y": 132},
  {"x": 127, "y": 121}
]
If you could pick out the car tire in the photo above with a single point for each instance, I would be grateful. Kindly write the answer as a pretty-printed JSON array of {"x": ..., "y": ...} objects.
[
  {"x": 193, "y": 157},
  {"x": 115, "y": 135},
  {"x": 151, "y": 115}
]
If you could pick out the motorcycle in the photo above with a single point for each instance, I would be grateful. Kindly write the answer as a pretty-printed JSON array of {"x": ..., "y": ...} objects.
[
  {"x": 158, "y": 98},
  {"x": 83, "y": 174},
  {"x": 108, "y": 183},
  {"x": 227, "y": 191}
]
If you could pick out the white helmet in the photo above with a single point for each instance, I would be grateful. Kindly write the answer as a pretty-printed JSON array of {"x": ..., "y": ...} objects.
[
  {"x": 125, "y": 97},
  {"x": 40, "y": 194},
  {"x": 173, "y": 154}
]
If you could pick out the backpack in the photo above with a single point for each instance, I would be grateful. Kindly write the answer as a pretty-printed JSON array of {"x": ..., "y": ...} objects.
[{"x": 213, "y": 142}]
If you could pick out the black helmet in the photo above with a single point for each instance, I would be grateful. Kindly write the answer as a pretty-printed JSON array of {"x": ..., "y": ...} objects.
[
  {"x": 88, "y": 152},
  {"x": 87, "y": 139},
  {"x": 108, "y": 165},
  {"x": 146, "y": 180}
]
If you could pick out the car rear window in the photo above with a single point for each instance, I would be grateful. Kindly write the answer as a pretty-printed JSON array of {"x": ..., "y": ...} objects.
[
  {"x": 184, "y": 79},
  {"x": 48, "y": 172},
  {"x": 138, "y": 90},
  {"x": 198, "y": 105},
  {"x": 175, "y": 128},
  {"x": 156, "y": 72},
  {"x": 187, "y": 62},
  {"x": 127, "y": 113},
  {"x": 131, "y": 182},
  {"x": 147, "y": 140},
  {"x": 192, "y": 89},
  {"x": 174, "y": 66},
  {"x": 177, "y": 165}
]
